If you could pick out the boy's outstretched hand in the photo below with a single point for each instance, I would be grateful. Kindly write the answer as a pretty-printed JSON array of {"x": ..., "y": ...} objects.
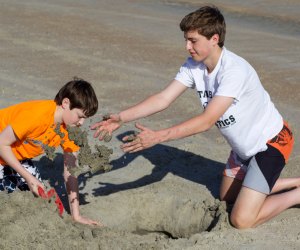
[
  {"x": 146, "y": 138},
  {"x": 105, "y": 128}
]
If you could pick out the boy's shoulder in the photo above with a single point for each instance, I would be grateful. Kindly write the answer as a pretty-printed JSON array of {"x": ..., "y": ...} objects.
[
  {"x": 36, "y": 105},
  {"x": 32, "y": 108},
  {"x": 30, "y": 117},
  {"x": 233, "y": 63},
  {"x": 232, "y": 59}
]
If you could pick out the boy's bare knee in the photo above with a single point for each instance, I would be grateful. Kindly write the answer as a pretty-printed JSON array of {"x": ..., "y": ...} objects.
[{"x": 241, "y": 221}]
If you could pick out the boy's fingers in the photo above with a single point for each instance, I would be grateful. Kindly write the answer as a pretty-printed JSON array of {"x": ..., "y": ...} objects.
[
  {"x": 105, "y": 135},
  {"x": 140, "y": 126},
  {"x": 99, "y": 132},
  {"x": 41, "y": 193},
  {"x": 94, "y": 126},
  {"x": 96, "y": 134},
  {"x": 97, "y": 223},
  {"x": 130, "y": 138}
]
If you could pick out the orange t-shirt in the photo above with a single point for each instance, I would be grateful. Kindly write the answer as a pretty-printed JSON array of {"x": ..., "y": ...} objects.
[{"x": 33, "y": 124}]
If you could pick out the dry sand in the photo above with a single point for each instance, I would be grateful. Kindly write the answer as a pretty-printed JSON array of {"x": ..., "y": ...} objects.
[{"x": 165, "y": 197}]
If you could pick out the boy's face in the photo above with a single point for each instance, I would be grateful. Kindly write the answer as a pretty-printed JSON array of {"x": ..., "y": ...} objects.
[
  {"x": 72, "y": 117},
  {"x": 199, "y": 47}
]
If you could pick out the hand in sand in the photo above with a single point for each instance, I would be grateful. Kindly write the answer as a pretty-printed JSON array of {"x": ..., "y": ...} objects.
[
  {"x": 105, "y": 128},
  {"x": 145, "y": 139},
  {"x": 87, "y": 221},
  {"x": 33, "y": 184}
]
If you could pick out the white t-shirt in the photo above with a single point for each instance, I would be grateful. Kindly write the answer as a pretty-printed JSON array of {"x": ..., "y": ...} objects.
[{"x": 252, "y": 119}]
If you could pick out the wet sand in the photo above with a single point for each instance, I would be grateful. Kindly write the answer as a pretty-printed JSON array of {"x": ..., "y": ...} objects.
[{"x": 165, "y": 197}]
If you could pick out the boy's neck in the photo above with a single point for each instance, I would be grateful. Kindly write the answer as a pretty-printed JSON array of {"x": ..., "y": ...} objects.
[
  {"x": 212, "y": 61},
  {"x": 58, "y": 114}
]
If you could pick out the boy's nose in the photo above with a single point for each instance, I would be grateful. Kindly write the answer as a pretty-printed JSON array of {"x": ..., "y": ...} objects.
[{"x": 188, "y": 45}]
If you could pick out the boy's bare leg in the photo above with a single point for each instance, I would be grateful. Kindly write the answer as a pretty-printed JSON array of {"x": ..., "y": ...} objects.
[
  {"x": 253, "y": 208},
  {"x": 285, "y": 184},
  {"x": 230, "y": 189}
]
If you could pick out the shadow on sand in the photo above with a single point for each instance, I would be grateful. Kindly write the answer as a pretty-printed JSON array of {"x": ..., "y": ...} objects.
[{"x": 165, "y": 160}]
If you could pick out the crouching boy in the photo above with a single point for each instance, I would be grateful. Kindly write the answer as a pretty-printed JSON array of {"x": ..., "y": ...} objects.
[{"x": 27, "y": 128}]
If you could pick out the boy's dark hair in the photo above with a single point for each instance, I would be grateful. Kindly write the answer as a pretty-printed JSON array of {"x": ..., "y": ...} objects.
[
  {"x": 81, "y": 95},
  {"x": 208, "y": 20}
]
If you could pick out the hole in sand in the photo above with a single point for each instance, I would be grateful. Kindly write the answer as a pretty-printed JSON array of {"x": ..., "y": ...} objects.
[
  {"x": 181, "y": 218},
  {"x": 143, "y": 211}
]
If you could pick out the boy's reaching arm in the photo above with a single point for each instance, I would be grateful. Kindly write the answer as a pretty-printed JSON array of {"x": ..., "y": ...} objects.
[
  {"x": 70, "y": 160},
  {"x": 7, "y": 138},
  {"x": 154, "y": 103},
  {"x": 149, "y": 106},
  {"x": 148, "y": 138}
]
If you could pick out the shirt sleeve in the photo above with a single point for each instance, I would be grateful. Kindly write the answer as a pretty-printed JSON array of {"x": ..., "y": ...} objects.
[{"x": 185, "y": 76}]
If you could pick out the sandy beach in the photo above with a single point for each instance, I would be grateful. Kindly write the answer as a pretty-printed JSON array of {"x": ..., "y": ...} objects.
[{"x": 165, "y": 197}]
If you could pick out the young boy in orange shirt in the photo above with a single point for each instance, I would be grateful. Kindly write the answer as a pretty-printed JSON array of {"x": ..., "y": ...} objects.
[{"x": 26, "y": 128}]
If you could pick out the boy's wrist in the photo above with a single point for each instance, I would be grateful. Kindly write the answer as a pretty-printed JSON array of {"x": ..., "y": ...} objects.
[
  {"x": 121, "y": 119},
  {"x": 163, "y": 136}
]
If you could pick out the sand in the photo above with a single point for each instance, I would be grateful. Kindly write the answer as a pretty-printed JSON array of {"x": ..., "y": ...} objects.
[{"x": 165, "y": 197}]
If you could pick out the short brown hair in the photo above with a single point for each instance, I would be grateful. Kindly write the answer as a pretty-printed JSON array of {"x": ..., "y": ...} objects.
[
  {"x": 208, "y": 20},
  {"x": 81, "y": 95}
]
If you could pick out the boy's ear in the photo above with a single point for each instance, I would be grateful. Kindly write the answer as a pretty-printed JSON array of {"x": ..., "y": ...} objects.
[
  {"x": 215, "y": 38},
  {"x": 65, "y": 103}
]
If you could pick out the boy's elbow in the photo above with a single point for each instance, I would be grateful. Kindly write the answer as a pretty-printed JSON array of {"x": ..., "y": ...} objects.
[
  {"x": 163, "y": 103},
  {"x": 208, "y": 125},
  {"x": 207, "y": 121}
]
